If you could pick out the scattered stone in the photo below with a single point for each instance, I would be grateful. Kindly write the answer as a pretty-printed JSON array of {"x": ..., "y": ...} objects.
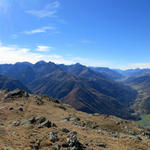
[
  {"x": 29, "y": 121},
  {"x": 75, "y": 119},
  {"x": 66, "y": 119},
  {"x": 57, "y": 147},
  {"x": 53, "y": 137},
  {"x": 6, "y": 148},
  {"x": 1, "y": 124},
  {"x": 73, "y": 142},
  {"x": 15, "y": 123},
  {"x": 94, "y": 126},
  {"x": 46, "y": 123},
  {"x": 40, "y": 119},
  {"x": 73, "y": 133},
  {"x": 16, "y": 103},
  {"x": 135, "y": 138},
  {"x": 53, "y": 125},
  {"x": 119, "y": 122},
  {"x": 14, "y": 133},
  {"x": 10, "y": 108},
  {"x": 101, "y": 145},
  {"x": 65, "y": 145},
  {"x": 20, "y": 108},
  {"x": 132, "y": 132},
  {"x": 54, "y": 100},
  {"x": 38, "y": 100},
  {"x": 146, "y": 133},
  {"x": 32, "y": 120},
  {"x": 96, "y": 114},
  {"x": 62, "y": 107},
  {"x": 39, "y": 122},
  {"x": 100, "y": 132},
  {"x": 139, "y": 138},
  {"x": 65, "y": 130},
  {"x": 35, "y": 144}
]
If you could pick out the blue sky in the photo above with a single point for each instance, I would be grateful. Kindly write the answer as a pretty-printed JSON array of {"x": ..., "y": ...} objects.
[{"x": 111, "y": 33}]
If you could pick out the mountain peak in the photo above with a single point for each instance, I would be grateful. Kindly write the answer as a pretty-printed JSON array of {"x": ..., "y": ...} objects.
[{"x": 41, "y": 62}]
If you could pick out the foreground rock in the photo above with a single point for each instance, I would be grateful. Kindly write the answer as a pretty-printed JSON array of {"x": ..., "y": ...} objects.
[
  {"x": 39, "y": 122},
  {"x": 15, "y": 94}
]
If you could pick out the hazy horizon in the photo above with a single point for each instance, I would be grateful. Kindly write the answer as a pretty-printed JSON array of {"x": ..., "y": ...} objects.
[
  {"x": 100, "y": 33},
  {"x": 123, "y": 69}
]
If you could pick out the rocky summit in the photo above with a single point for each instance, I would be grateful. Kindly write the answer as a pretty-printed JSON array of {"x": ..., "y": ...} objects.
[{"x": 39, "y": 122}]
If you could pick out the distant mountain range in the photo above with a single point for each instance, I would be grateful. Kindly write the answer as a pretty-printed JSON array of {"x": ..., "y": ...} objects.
[{"x": 89, "y": 89}]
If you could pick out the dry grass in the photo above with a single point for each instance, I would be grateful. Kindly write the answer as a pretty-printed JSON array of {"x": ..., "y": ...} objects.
[{"x": 19, "y": 138}]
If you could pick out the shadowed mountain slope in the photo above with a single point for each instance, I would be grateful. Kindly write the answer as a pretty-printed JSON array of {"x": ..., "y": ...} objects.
[
  {"x": 78, "y": 85},
  {"x": 108, "y": 73},
  {"x": 11, "y": 84},
  {"x": 142, "y": 85}
]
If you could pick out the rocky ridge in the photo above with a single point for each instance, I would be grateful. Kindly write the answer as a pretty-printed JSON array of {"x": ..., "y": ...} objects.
[{"x": 39, "y": 122}]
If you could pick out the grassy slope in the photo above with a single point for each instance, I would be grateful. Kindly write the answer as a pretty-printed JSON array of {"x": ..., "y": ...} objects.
[
  {"x": 145, "y": 120},
  {"x": 141, "y": 105},
  {"x": 21, "y": 137}
]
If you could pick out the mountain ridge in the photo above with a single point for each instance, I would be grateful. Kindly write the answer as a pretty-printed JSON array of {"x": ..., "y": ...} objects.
[{"x": 78, "y": 85}]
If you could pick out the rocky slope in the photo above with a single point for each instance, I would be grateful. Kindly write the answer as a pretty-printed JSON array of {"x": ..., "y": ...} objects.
[{"x": 39, "y": 122}]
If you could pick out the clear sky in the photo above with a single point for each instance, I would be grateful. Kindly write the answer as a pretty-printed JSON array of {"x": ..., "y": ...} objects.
[{"x": 112, "y": 33}]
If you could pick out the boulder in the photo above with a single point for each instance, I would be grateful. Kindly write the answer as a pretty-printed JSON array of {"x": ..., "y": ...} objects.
[
  {"x": 65, "y": 130},
  {"x": 20, "y": 108},
  {"x": 46, "y": 123},
  {"x": 101, "y": 145},
  {"x": 15, "y": 93},
  {"x": 73, "y": 142},
  {"x": 38, "y": 100},
  {"x": 29, "y": 121},
  {"x": 53, "y": 137},
  {"x": 10, "y": 108},
  {"x": 40, "y": 119}
]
